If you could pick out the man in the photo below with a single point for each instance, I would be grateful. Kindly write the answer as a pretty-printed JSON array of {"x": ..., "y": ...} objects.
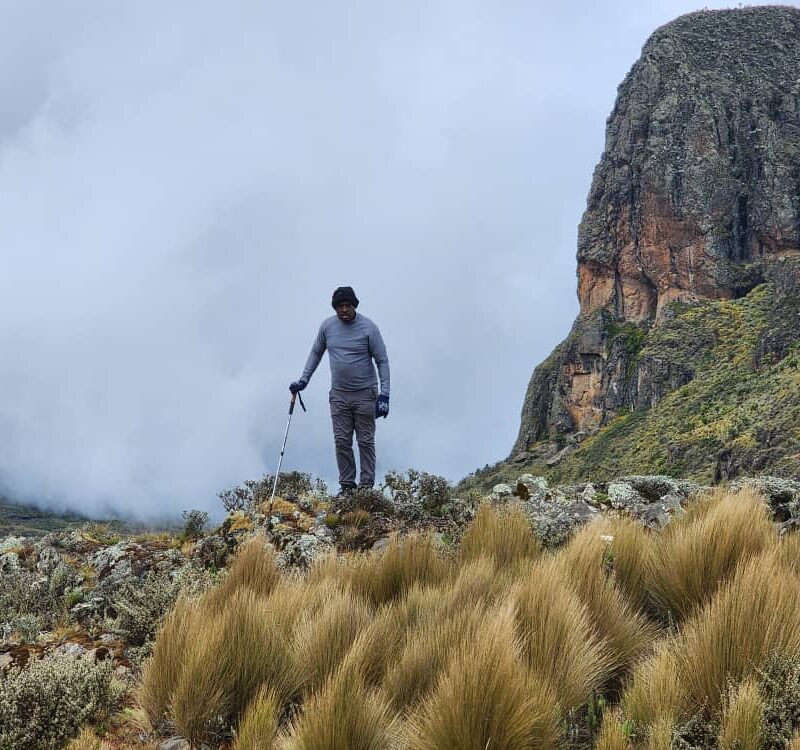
[{"x": 353, "y": 341}]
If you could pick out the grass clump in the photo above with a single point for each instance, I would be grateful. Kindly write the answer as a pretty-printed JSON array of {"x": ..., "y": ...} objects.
[
  {"x": 487, "y": 698},
  {"x": 504, "y": 535},
  {"x": 343, "y": 714},
  {"x": 558, "y": 640},
  {"x": 741, "y": 719},
  {"x": 406, "y": 562},
  {"x": 699, "y": 551},
  {"x": 259, "y": 724},
  {"x": 253, "y": 569}
]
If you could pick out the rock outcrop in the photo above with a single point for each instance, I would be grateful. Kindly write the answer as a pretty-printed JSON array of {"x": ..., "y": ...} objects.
[{"x": 696, "y": 197}]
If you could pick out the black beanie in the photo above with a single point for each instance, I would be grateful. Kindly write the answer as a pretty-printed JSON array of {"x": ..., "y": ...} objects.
[{"x": 344, "y": 294}]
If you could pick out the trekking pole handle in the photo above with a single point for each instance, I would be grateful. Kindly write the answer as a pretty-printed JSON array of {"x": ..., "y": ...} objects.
[{"x": 291, "y": 403}]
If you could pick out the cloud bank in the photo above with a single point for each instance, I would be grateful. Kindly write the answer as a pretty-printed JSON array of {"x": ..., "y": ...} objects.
[{"x": 182, "y": 186}]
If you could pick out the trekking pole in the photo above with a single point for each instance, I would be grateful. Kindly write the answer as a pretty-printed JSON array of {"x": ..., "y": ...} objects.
[{"x": 283, "y": 449}]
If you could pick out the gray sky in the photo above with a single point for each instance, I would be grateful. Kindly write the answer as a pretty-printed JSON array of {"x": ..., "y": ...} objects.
[{"x": 182, "y": 186}]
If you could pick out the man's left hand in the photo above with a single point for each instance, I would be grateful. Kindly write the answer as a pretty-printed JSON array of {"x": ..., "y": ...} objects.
[{"x": 382, "y": 406}]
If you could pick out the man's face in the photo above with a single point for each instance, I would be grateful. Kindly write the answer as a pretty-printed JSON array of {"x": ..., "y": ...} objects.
[{"x": 345, "y": 311}]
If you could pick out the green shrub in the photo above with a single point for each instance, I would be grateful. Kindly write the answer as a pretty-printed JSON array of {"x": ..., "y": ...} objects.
[{"x": 45, "y": 704}]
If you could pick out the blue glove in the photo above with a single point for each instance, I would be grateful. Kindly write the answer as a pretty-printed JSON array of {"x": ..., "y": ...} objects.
[
  {"x": 382, "y": 406},
  {"x": 298, "y": 385}
]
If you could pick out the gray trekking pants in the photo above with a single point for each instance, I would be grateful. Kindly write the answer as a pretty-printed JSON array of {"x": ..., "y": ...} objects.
[{"x": 354, "y": 411}]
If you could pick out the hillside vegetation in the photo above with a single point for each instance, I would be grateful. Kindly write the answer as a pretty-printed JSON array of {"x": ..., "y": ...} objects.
[
  {"x": 622, "y": 638},
  {"x": 739, "y": 412}
]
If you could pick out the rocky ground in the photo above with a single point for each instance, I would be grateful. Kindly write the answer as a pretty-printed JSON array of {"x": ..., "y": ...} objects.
[{"x": 95, "y": 596}]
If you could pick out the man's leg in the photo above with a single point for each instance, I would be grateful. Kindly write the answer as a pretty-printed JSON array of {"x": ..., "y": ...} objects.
[
  {"x": 343, "y": 423},
  {"x": 364, "y": 408}
]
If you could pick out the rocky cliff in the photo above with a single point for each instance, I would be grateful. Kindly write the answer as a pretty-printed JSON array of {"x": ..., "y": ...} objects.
[{"x": 696, "y": 198}]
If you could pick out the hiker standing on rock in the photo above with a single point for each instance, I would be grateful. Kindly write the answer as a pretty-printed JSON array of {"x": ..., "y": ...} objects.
[{"x": 353, "y": 342}]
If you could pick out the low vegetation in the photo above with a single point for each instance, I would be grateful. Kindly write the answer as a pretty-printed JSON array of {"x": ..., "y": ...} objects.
[{"x": 622, "y": 639}]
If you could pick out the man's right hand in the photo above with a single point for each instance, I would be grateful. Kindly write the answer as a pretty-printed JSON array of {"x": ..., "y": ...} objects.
[{"x": 297, "y": 386}]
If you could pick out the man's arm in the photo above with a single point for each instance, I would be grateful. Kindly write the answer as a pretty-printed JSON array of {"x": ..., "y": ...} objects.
[
  {"x": 378, "y": 351},
  {"x": 314, "y": 358}
]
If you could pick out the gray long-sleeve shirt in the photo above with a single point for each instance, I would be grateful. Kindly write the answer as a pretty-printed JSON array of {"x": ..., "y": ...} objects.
[{"x": 351, "y": 348}]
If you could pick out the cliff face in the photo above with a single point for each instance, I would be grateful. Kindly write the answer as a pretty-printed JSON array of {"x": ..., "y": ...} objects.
[{"x": 696, "y": 196}]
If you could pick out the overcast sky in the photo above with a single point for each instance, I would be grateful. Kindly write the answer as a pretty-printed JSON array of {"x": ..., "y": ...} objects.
[{"x": 183, "y": 185}]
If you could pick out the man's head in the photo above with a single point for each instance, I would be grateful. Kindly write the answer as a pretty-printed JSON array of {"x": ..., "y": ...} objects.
[{"x": 345, "y": 302}]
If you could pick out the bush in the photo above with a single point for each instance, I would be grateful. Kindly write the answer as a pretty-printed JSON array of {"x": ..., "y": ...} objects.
[
  {"x": 252, "y": 493},
  {"x": 417, "y": 488},
  {"x": 194, "y": 522},
  {"x": 141, "y": 603},
  {"x": 44, "y": 705}
]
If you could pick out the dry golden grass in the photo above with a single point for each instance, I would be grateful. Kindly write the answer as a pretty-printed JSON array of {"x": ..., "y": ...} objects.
[
  {"x": 741, "y": 719},
  {"x": 240, "y": 650},
  {"x": 787, "y": 552},
  {"x": 630, "y": 556},
  {"x": 494, "y": 647},
  {"x": 343, "y": 714},
  {"x": 698, "y": 551},
  {"x": 626, "y": 631},
  {"x": 380, "y": 643},
  {"x": 505, "y": 535},
  {"x": 165, "y": 666},
  {"x": 487, "y": 698},
  {"x": 88, "y": 740},
  {"x": 756, "y": 613},
  {"x": 557, "y": 636},
  {"x": 406, "y": 562},
  {"x": 795, "y": 743},
  {"x": 612, "y": 734},
  {"x": 659, "y": 735},
  {"x": 259, "y": 725},
  {"x": 253, "y": 568},
  {"x": 323, "y": 639},
  {"x": 656, "y": 693},
  {"x": 428, "y": 651}
]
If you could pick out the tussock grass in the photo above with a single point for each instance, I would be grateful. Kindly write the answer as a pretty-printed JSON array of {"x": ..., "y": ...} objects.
[
  {"x": 741, "y": 719},
  {"x": 756, "y": 613},
  {"x": 630, "y": 557},
  {"x": 343, "y": 714},
  {"x": 659, "y": 735},
  {"x": 408, "y": 561},
  {"x": 697, "y": 552},
  {"x": 259, "y": 725},
  {"x": 253, "y": 568},
  {"x": 656, "y": 695},
  {"x": 505, "y": 535},
  {"x": 487, "y": 698},
  {"x": 240, "y": 651},
  {"x": 612, "y": 735},
  {"x": 381, "y": 642},
  {"x": 165, "y": 666},
  {"x": 626, "y": 631},
  {"x": 88, "y": 740},
  {"x": 498, "y": 646},
  {"x": 558, "y": 640},
  {"x": 428, "y": 651},
  {"x": 323, "y": 639}
]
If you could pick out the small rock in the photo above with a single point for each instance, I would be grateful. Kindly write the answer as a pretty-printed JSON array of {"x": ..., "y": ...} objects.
[
  {"x": 175, "y": 743},
  {"x": 501, "y": 492},
  {"x": 380, "y": 544},
  {"x": 533, "y": 488}
]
